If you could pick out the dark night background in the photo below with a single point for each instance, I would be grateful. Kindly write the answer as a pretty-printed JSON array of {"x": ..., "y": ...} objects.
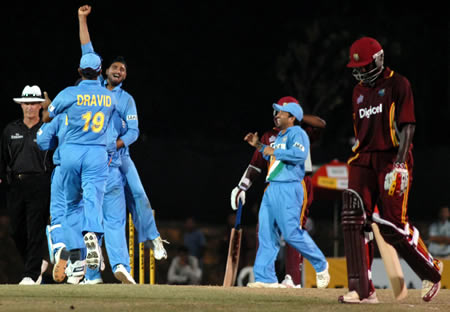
[{"x": 203, "y": 74}]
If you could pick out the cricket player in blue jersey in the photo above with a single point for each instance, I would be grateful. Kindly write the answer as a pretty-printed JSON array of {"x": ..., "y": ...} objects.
[
  {"x": 282, "y": 200},
  {"x": 84, "y": 166},
  {"x": 137, "y": 201},
  {"x": 49, "y": 137},
  {"x": 114, "y": 212}
]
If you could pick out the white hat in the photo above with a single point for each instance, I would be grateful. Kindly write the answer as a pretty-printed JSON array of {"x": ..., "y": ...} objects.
[{"x": 30, "y": 95}]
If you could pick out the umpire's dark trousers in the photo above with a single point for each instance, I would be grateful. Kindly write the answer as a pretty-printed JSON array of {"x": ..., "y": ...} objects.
[{"x": 28, "y": 202}]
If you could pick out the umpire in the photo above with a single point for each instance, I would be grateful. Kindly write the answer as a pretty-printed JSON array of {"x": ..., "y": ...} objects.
[{"x": 25, "y": 170}]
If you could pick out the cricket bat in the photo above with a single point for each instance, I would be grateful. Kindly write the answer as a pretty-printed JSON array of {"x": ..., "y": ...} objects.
[
  {"x": 391, "y": 264},
  {"x": 234, "y": 250}
]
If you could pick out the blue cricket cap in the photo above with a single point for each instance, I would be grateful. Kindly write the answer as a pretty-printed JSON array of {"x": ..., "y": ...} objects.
[
  {"x": 91, "y": 60},
  {"x": 294, "y": 108}
]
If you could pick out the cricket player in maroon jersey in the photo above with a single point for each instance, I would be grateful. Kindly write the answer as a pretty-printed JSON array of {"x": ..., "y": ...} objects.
[
  {"x": 381, "y": 174},
  {"x": 257, "y": 164}
]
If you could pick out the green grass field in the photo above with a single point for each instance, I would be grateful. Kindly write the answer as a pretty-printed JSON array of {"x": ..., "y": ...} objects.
[{"x": 116, "y": 297}]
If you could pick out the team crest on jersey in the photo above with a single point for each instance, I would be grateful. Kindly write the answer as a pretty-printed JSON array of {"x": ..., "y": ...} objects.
[
  {"x": 16, "y": 136},
  {"x": 272, "y": 139},
  {"x": 40, "y": 132},
  {"x": 381, "y": 92},
  {"x": 360, "y": 99}
]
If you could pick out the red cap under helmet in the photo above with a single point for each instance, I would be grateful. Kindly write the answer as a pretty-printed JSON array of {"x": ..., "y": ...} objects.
[
  {"x": 287, "y": 99},
  {"x": 363, "y": 51}
]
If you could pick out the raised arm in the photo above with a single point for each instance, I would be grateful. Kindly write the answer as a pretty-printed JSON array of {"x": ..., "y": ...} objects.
[{"x": 83, "y": 12}]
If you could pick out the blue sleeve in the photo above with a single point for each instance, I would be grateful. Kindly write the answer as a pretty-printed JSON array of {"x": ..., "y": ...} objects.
[
  {"x": 46, "y": 137},
  {"x": 87, "y": 48},
  {"x": 131, "y": 120},
  {"x": 296, "y": 151},
  {"x": 60, "y": 103},
  {"x": 261, "y": 150}
]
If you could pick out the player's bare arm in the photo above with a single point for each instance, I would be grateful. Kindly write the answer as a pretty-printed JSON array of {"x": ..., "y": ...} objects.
[
  {"x": 406, "y": 138},
  {"x": 314, "y": 121},
  {"x": 83, "y": 12}
]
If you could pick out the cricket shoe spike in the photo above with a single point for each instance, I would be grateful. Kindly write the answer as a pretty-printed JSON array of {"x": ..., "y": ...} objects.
[
  {"x": 265, "y": 285},
  {"x": 353, "y": 297},
  {"x": 59, "y": 269},
  {"x": 430, "y": 289},
  {"x": 158, "y": 248},
  {"x": 123, "y": 275},
  {"x": 93, "y": 253},
  {"x": 323, "y": 278}
]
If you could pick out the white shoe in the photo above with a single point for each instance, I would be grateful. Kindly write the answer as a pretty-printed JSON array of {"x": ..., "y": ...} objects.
[
  {"x": 122, "y": 275},
  {"x": 92, "y": 250},
  {"x": 74, "y": 280},
  {"x": 92, "y": 282},
  {"x": 75, "y": 270},
  {"x": 59, "y": 269},
  {"x": 27, "y": 281},
  {"x": 353, "y": 297},
  {"x": 289, "y": 283},
  {"x": 323, "y": 278},
  {"x": 430, "y": 289},
  {"x": 265, "y": 285},
  {"x": 158, "y": 248}
]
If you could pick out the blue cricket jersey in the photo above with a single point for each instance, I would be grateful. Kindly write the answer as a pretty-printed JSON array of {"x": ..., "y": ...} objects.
[
  {"x": 51, "y": 136},
  {"x": 89, "y": 107},
  {"x": 288, "y": 161},
  {"x": 117, "y": 127},
  {"x": 126, "y": 106}
]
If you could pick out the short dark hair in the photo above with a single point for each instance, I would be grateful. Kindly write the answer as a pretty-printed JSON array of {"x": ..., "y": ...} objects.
[
  {"x": 89, "y": 73},
  {"x": 296, "y": 121},
  {"x": 119, "y": 59}
]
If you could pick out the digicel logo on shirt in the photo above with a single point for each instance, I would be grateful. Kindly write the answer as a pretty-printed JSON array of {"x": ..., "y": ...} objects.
[{"x": 367, "y": 112}]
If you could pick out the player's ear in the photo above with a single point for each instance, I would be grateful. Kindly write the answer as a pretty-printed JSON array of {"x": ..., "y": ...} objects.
[{"x": 79, "y": 72}]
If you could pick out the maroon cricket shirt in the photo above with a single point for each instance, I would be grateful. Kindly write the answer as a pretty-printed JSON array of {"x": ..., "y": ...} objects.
[{"x": 379, "y": 112}]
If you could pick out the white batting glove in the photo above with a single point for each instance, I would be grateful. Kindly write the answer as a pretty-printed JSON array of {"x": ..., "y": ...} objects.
[
  {"x": 236, "y": 195},
  {"x": 396, "y": 181}
]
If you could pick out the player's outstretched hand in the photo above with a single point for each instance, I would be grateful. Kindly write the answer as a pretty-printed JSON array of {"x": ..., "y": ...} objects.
[
  {"x": 85, "y": 10},
  {"x": 252, "y": 139},
  {"x": 47, "y": 101}
]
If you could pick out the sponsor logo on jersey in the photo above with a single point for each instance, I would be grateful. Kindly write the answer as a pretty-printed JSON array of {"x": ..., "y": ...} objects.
[
  {"x": 280, "y": 146},
  {"x": 131, "y": 117},
  {"x": 51, "y": 108},
  {"x": 93, "y": 100},
  {"x": 360, "y": 99},
  {"x": 300, "y": 146},
  {"x": 367, "y": 112},
  {"x": 16, "y": 136}
]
